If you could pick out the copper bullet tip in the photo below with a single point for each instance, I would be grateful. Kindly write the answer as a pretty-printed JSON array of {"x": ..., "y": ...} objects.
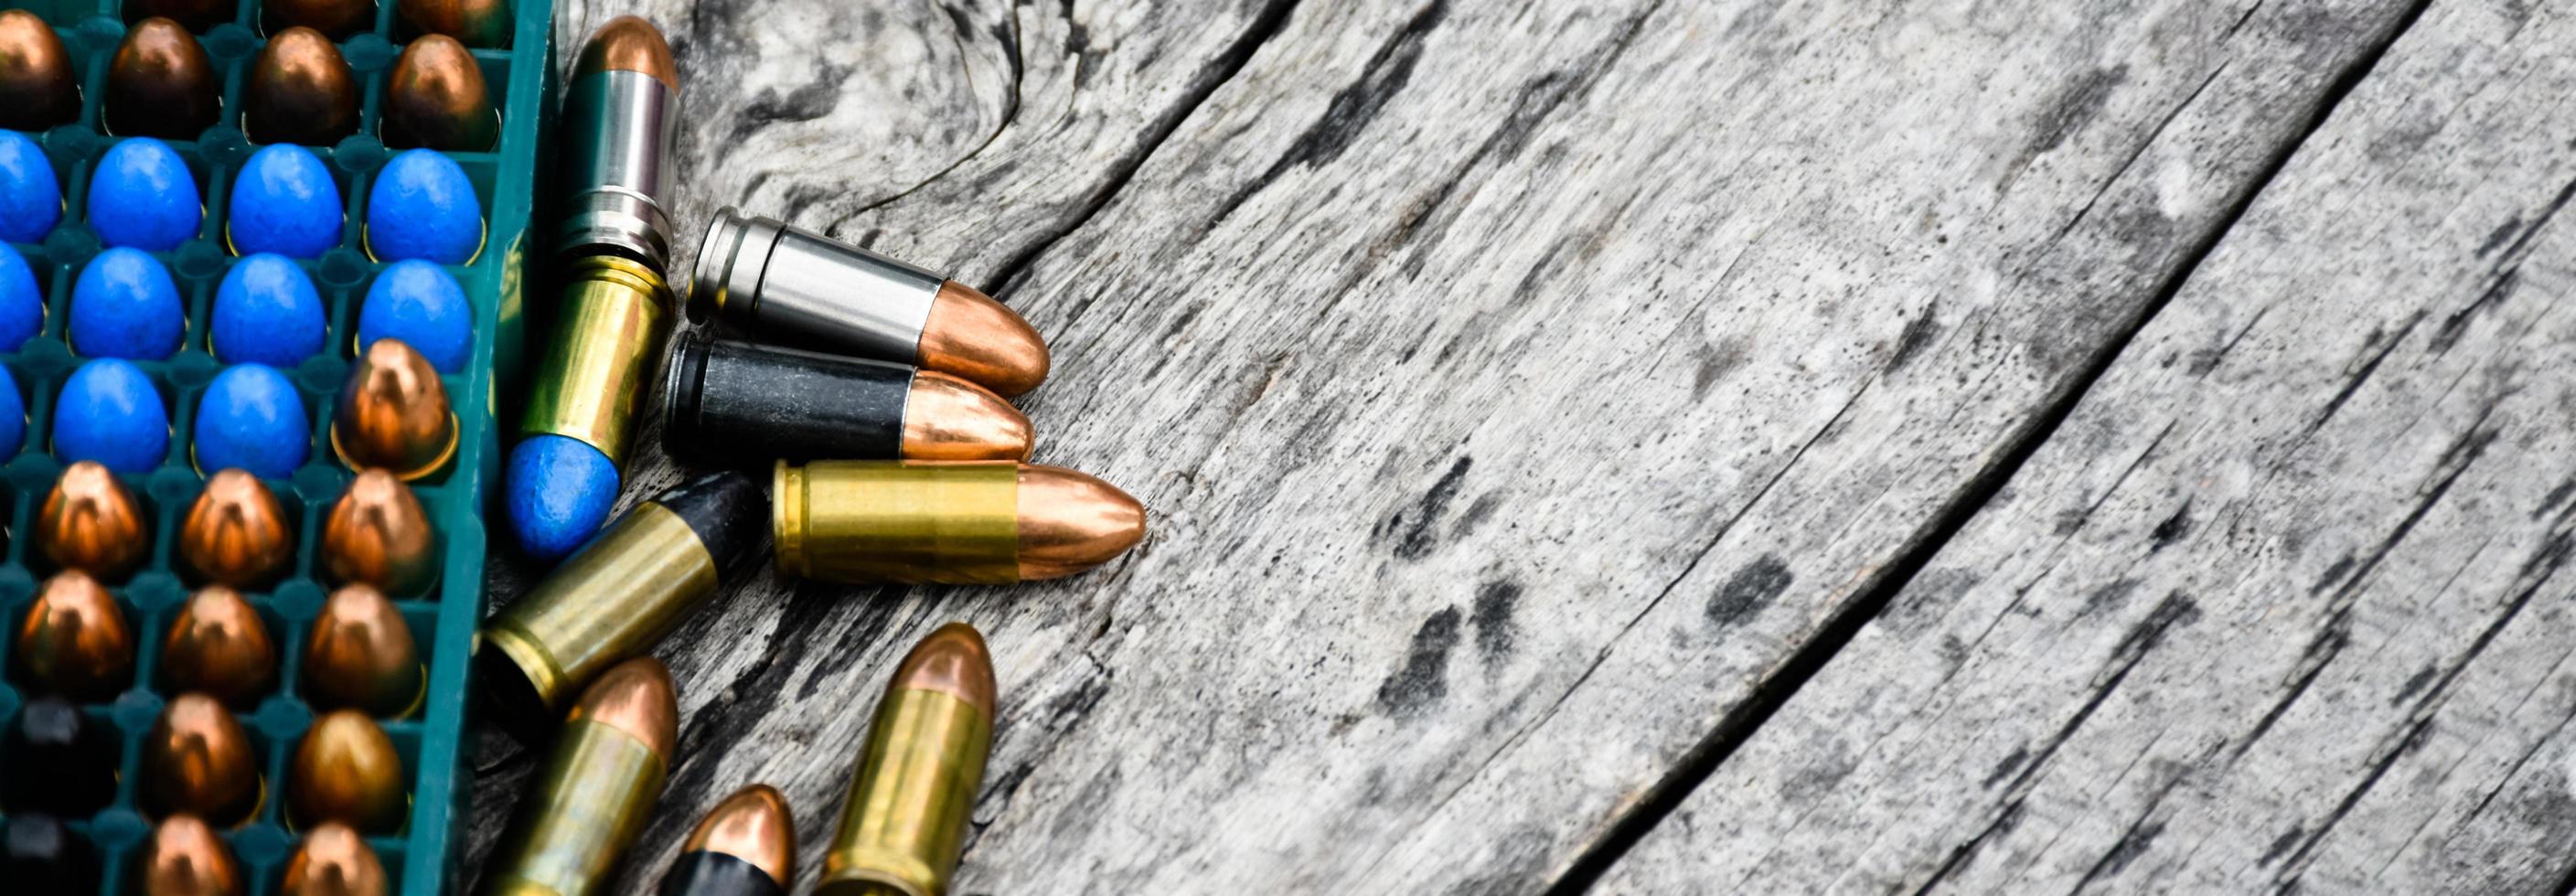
[
  {"x": 377, "y": 535},
  {"x": 160, "y": 83},
  {"x": 438, "y": 99},
  {"x": 74, "y": 640},
  {"x": 635, "y": 697},
  {"x": 752, "y": 825},
  {"x": 185, "y": 856},
  {"x": 947, "y": 418},
  {"x": 1071, "y": 522},
  {"x": 629, "y": 44},
  {"x": 360, "y": 655},
  {"x": 346, "y": 771},
  {"x": 198, "y": 761},
  {"x": 393, "y": 413},
  {"x": 970, "y": 335},
  {"x": 479, "y": 23},
  {"x": 38, "y": 89},
  {"x": 300, "y": 91},
  {"x": 89, "y": 522},
  {"x": 236, "y": 532},
  {"x": 334, "y": 861},
  {"x": 336, "y": 19},
  {"x": 220, "y": 647},
  {"x": 951, "y": 660}
]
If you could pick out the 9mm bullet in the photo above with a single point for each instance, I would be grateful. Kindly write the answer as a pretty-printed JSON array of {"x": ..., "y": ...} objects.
[
  {"x": 38, "y": 89},
  {"x": 437, "y": 99},
  {"x": 904, "y": 821},
  {"x": 161, "y": 83},
  {"x": 746, "y": 846},
  {"x": 74, "y": 641},
  {"x": 236, "y": 533},
  {"x": 91, "y": 523},
  {"x": 334, "y": 861},
  {"x": 597, "y": 789},
  {"x": 185, "y": 856},
  {"x": 744, "y": 405},
  {"x": 218, "y": 646},
  {"x": 300, "y": 91},
  {"x": 966, "y": 523}
]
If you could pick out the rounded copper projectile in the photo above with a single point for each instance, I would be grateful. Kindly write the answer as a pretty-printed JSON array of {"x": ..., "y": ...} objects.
[
  {"x": 393, "y": 413},
  {"x": 218, "y": 646},
  {"x": 198, "y": 761},
  {"x": 346, "y": 771},
  {"x": 951, "y": 660},
  {"x": 335, "y": 19},
  {"x": 361, "y": 656},
  {"x": 300, "y": 91},
  {"x": 629, "y": 44},
  {"x": 185, "y": 856},
  {"x": 89, "y": 522},
  {"x": 437, "y": 99},
  {"x": 1070, "y": 522},
  {"x": 948, "y": 418},
  {"x": 236, "y": 533},
  {"x": 752, "y": 825},
  {"x": 479, "y": 23},
  {"x": 970, "y": 335},
  {"x": 635, "y": 697},
  {"x": 161, "y": 84},
  {"x": 377, "y": 535},
  {"x": 38, "y": 88},
  {"x": 334, "y": 860},
  {"x": 74, "y": 640}
]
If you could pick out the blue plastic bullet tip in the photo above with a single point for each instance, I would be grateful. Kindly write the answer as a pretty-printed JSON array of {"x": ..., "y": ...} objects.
[
  {"x": 423, "y": 206},
  {"x": 31, "y": 199},
  {"x": 109, "y": 412},
  {"x": 417, "y": 302},
  {"x": 144, "y": 197},
  {"x": 124, "y": 305},
  {"x": 267, "y": 312},
  {"x": 251, "y": 418},
  {"x": 561, "y": 489},
  {"x": 22, "y": 302},
  {"x": 285, "y": 202}
]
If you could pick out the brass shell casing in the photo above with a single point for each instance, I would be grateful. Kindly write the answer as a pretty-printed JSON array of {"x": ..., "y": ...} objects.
[
  {"x": 596, "y": 791},
  {"x": 614, "y": 317},
  {"x": 904, "y": 821},
  {"x": 898, "y": 521},
  {"x": 613, "y": 600}
]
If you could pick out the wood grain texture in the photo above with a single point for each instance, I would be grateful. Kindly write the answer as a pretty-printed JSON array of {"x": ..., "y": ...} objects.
[
  {"x": 2281, "y": 608},
  {"x": 1516, "y": 388}
]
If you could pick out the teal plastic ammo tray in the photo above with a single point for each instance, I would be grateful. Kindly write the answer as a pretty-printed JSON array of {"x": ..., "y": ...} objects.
[{"x": 421, "y": 856}]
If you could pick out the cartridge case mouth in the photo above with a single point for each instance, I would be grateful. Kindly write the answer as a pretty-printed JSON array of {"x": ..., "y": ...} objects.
[{"x": 596, "y": 367}]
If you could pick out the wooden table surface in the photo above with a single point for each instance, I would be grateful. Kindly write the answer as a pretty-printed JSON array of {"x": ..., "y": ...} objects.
[{"x": 1656, "y": 446}]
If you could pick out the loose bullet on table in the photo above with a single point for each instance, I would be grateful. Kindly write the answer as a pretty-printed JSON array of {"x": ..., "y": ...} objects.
[
  {"x": 360, "y": 655},
  {"x": 252, "y": 418},
  {"x": 124, "y": 305},
  {"x": 198, "y": 761},
  {"x": 38, "y": 88},
  {"x": 143, "y": 196},
  {"x": 904, "y": 821},
  {"x": 267, "y": 312},
  {"x": 437, "y": 99},
  {"x": 419, "y": 303},
  {"x": 745, "y": 846},
  {"x": 71, "y": 761},
  {"x": 236, "y": 533},
  {"x": 160, "y": 83},
  {"x": 423, "y": 206},
  {"x": 75, "y": 641},
  {"x": 284, "y": 201},
  {"x": 333, "y": 860},
  {"x": 186, "y": 856},
  {"x": 300, "y": 90},
  {"x": 393, "y": 413},
  {"x": 91, "y": 523},
  {"x": 345, "y": 770},
  {"x": 622, "y": 593},
  {"x": 110, "y": 412},
  {"x": 377, "y": 535},
  {"x": 335, "y": 19},
  {"x": 747, "y": 405},
  {"x": 989, "y": 522},
  {"x": 478, "y": 23},
  {"x": 596, "y": 791},
  {"x": 37, "y": 852},
  {"x": 219, "y": 646},
  {"x": 782, "y": 282}
]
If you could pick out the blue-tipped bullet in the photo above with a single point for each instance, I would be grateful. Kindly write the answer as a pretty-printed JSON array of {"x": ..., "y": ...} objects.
[
  {"x": 144, "y": 197},
  {"x": 417, "y": 302},
  {"x": 285, "y": 202},
  {"x": 423, "y": 206},
  {"x": 13, "y": 417},
  {"x": 124, "y": 305},
  {"x": 251, "y": 418},
  {"x": 31, "y": 200},
  {"x": 267, "y": 312},
  {"x": 22, "y": 302},
  {"x": 110, "y": 413},
  {"x": 560, "y": 491}
]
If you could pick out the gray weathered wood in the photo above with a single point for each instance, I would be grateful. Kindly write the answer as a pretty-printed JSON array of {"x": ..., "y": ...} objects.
[
  {"x": 1515, "y": 388},
  {"x": 2280, "y": 607}
]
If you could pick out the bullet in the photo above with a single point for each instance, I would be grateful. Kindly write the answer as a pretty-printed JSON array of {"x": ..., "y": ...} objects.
[
  {"x": 161, "y": 84},
  {"x": 186, "y": 858},
  {"x": 904, "y": 821},
  {"x": 393, "y": 413},
  {"x": 198, "y": 761},
  {"x": 218, "y": 646},
  {"x": 746, "y": 846},
  {"x": 346, "y": 771},
  {"x": 300, "y": 91},
  {"x": 478, "y": 23},
  {"x": 335, "y": 19},
  {"x": 620, "y": 115},
  {"x": 89, "y": 522},
  {"x": 334, "y": 861},
  {"x": 745, "y": 405},
  {"x": 581, "y": 407},
  {"x": 236, "y": 533},
  {"x": 196, "y": 15},
  {"x": 38, "y": 89},
  {"x": 967, "y": 523},
  {"x": 377, "y": 535},
  {"x": 596, "y": 792},
  {"x": 78, "y": 758},
  {"x": 627, "y": 589},
  {"x": 74, "y": 641},
  {"x": 44, "y": 857},
  {"x": 360, "y": 655},
  {"x": 437, "y": 99},
  {"x": 788, "y": 284}
]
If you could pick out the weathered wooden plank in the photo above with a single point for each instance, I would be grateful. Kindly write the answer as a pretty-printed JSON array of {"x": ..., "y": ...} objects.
[
  {"x": 2281, "y": 606},
  {"x": 1514, "y": 387}
]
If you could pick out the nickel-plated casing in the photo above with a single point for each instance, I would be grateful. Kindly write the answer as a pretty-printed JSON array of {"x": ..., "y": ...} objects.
[
  {"x": 586, "y": 807},
  {"x": 793, "y": 285},
  {"x": 904, "y": 821},
  {"x": 614, "y": 316},
  {"x": 745, "y": 404},
  {"x": 618, "y": 130},
  {"x": 898, "y": 521}
]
